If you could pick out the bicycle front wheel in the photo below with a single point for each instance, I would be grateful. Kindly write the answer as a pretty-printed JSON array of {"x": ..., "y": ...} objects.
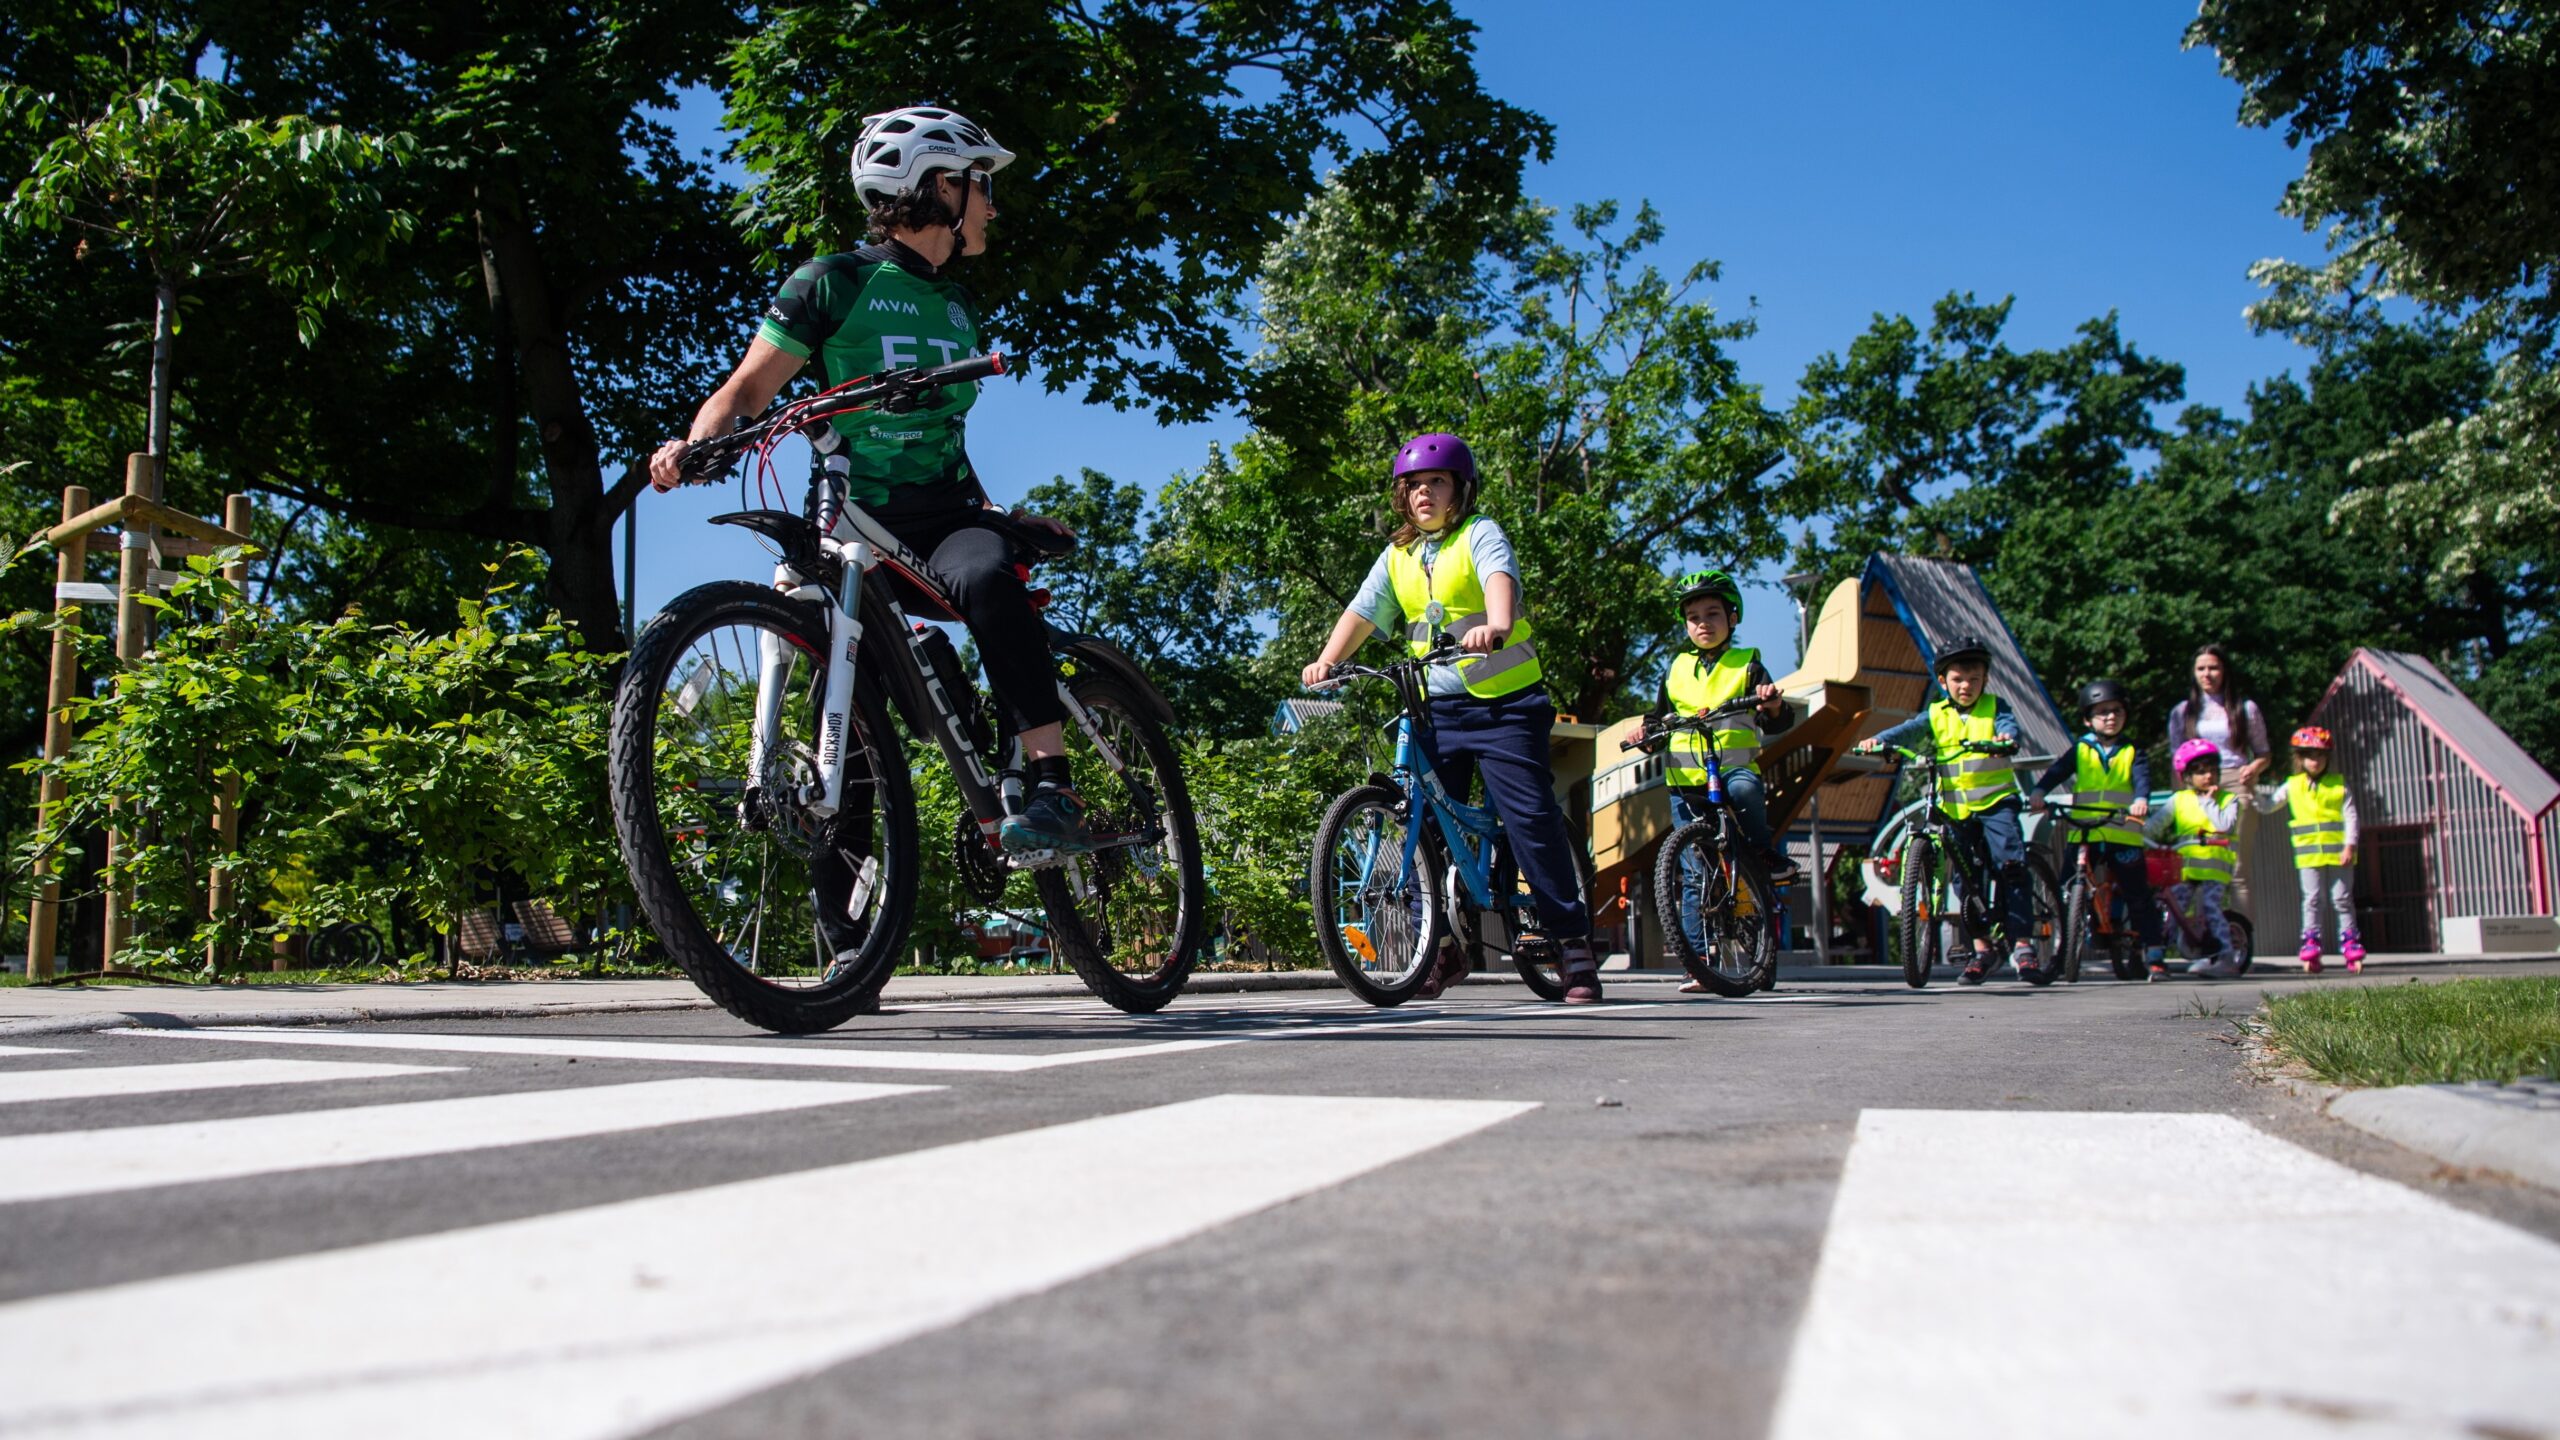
[
  {"x": 2044, "y": 920},
  {"x": 2079, "y": 935},
  {"x": 1377, "y": 917},
  {"x": 1130, "y": 917},
  {"x": 1717, "y": 910},
  {"x": 788, "y": 918},
  {"x": 1918, "y": 922}
]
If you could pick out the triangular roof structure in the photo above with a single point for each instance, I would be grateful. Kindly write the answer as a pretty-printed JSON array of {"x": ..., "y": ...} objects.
[{"x": 2466, "y": 729}]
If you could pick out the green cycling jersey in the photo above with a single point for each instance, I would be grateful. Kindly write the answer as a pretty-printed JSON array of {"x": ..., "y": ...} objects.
[{"x": 883, "y": 307}]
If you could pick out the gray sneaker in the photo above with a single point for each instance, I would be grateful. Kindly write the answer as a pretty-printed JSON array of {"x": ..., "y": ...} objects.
[{"x": 1052, "y": 819}]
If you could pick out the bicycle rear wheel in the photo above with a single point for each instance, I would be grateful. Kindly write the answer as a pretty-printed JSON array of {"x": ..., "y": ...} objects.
[
  {"x": 789, "y": 919},
  {"x": 2079, "y": 925},
  {"x": 1733, "y": 947},
  {"x": 1918, "y": 922},
  {"x": 1130, "y": 918},
  {"x": 2244, "y": 939},
  {"x": 2044, "y": 919},
  {"x": 1377, "y": 920}
]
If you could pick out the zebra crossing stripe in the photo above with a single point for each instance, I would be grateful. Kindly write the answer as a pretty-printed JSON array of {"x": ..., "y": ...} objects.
[
  {"x": 90, "y": 1162},
  {"x": 2244, "y": 1286},
  {"x": 19, "y": 1087},
  {"x": 33, "y": 1050},
  {"x": 740, "y": 1052},
  {"x": 613, "y": 1320}
]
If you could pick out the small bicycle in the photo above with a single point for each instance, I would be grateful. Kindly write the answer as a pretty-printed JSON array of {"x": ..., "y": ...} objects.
[
  {"x": 1387, "y": 888},
  {"x": 1712, "y": 896},
  {"x": 2089, "y": 899},
  {"x": 766, "y": 805},
  {"x": 2187, "y": 932},
  {"x": 1934, "y": 857}
]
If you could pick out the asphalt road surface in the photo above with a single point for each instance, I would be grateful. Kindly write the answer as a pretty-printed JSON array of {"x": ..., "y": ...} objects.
[{"x": 1839, "y": 1209}]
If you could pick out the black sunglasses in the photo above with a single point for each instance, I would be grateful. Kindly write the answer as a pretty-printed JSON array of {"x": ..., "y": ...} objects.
[{"x": 985, "y": 180}]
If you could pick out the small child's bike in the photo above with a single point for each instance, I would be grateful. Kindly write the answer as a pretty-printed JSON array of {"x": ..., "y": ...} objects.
[
  {"x": 1711, "y": 895},
  {"x": 1386, "y": 886},
  {"x": 2089, "y": 922},
  {"x": 2188, "y": 933}
]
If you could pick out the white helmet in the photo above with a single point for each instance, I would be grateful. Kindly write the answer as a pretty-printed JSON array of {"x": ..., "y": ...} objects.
[{"x": 898, "y": 148}]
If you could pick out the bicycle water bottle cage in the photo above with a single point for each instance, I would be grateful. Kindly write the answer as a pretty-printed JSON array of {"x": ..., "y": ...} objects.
[{"x": 797, "y": 536}]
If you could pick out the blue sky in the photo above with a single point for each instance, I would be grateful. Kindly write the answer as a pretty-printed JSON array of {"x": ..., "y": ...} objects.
[{"x": 1841, "y": 161}]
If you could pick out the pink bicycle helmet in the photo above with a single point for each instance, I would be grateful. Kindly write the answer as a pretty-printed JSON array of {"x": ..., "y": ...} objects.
[{"x": 2195, "y": 750}]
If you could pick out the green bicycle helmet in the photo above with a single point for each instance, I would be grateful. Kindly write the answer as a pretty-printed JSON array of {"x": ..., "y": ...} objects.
[{"x": 1711, "y": 581}]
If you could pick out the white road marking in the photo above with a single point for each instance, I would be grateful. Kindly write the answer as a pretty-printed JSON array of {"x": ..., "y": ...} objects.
[
  {"x": 754, "y": 1052},
  {"x": 613, "y": 1320},
  {"x": 89, "y": 1162},
  {"x": 88, "y": 1082},
  {"x": 2245, "y": 1286},
  {"x": 33, "y": 1050}
]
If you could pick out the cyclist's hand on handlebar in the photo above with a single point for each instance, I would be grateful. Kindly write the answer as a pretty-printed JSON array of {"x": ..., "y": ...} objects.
[
  {"x": 1046, "y": 523},
  {"x": 664, "y": 473},
  {"x": 2036, "y": 805},
  {"x": 2139, "y": 810},
  {"x": 1482, "y": 640},
  {"x": 1319, "y": 674}
]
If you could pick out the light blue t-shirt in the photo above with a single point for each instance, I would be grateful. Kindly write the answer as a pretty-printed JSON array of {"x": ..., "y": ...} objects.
[{"x": 1376, "y": 602}]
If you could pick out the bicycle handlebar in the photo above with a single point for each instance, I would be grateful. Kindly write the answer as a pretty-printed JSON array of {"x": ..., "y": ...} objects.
[
  {"x": 895, "y": 391},
  {"x": 1655, "y": 729},
  {"x": 1443, "y": 651}
]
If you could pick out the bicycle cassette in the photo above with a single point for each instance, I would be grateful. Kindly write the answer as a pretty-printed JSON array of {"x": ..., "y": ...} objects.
[{"x": 982, "y": 870}]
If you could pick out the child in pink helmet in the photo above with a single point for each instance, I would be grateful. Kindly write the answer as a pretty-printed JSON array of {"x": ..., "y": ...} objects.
[
  {"x": 2199, "y": 823},
  {"x": 2323, "y": 816}
]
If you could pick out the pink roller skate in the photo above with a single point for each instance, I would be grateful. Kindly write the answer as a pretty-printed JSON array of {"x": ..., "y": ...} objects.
[
  {"x": 2351, "y": 945},
  {"x": 2309, "y": 954}
]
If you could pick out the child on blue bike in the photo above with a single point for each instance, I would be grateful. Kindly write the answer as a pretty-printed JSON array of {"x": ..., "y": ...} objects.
[{"x": 1449, "y": 569}]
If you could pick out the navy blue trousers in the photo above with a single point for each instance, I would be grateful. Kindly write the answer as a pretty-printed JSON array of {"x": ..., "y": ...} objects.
[{"x": 1505, "y": 741}]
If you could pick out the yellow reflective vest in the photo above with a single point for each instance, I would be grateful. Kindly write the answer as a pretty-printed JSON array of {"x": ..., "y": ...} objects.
[
  {"x": 2204, "y": 848},
  {"x": 1447, "y": 594},
  {"x": 2105, "y": 782},
  {"x": 1695, "y": 686},
  {"x": 2318, "y": 811},
  {"x": 1969, "y": 783}
]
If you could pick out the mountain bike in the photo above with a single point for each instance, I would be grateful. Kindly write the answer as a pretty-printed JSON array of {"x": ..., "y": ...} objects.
[
  {"x": 1711, "y": 895},
  {"x": 1934, "y": 857},
  {"x": 766, "y": 805},
  {"x": 2089, "y": 899},
  {"x": 1387, "y": 887}
]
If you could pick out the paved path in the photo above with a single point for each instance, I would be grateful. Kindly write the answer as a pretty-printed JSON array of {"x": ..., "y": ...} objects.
[{"x": 1839, "y": 1209}]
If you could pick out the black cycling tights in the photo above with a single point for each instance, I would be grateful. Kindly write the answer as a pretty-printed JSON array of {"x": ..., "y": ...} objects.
[{"x": 974, "y": 566}]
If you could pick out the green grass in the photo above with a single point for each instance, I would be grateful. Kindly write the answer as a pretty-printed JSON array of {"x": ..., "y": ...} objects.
[{"x": 2420, "y": 1034}]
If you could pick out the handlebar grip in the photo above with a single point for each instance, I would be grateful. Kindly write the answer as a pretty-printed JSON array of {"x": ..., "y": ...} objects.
[{"x": 961, "y": 372}]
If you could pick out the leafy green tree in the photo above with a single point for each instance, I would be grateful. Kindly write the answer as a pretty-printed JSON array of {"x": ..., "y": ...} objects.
[
  {"x": 1614, "y": 432},
  {"x": 169, "y": 174},
  {"x": 1164, "y": 143}
]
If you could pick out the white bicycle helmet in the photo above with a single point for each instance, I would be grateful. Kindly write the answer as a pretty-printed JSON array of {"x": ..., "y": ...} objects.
[{"x": 898, "y": 148}]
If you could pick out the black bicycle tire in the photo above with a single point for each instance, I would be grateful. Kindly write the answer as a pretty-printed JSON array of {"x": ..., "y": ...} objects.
[
  {"x": 783, "y": 1010},
  {"x": 1133, "y": 994},
  {"x": 1919, "y": 929},
  {"x": 2044, "y": 906},
  {"x": 324, "y": 946},
  {"x": 1666, "y": 911},
  {"x": 2244, "y": 939},
  {"x": 1320, "y": 880},
  {"x": 1544, "y": 981},
  {"x": 2079, "y": 925}
]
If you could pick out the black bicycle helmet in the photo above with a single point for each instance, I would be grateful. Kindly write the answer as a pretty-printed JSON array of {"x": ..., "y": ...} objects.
[
  {"x": 1711, "y": 581},
  {"x": 1963, "y": 647},
  {"x": 2102, "y": 692}
]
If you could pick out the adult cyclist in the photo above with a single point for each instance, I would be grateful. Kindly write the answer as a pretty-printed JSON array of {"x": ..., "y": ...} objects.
[{"x": 927, "y": 178}]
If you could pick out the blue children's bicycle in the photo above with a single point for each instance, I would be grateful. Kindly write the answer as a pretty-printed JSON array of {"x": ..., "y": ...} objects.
[{"x": 1387, "y": 891}]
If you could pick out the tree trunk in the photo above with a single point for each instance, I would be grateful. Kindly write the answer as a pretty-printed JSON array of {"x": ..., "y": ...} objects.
[
  {"x": 578, "y": 535},
  {"x": 164, "y": 347}
]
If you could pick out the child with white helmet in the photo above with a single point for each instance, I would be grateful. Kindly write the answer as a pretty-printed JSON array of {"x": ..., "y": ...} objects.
[
  {"x": 2199, "y": 824},
  {"x": 2324, "y": 844}
]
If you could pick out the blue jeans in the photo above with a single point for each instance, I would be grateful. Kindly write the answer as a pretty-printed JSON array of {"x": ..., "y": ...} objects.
[
  {"x": 2201, "y": 901},
  {"x": 1505, "y": 741},
  {"x": 1742, "y": 789},
  {"x": 1995, "y": 835}
]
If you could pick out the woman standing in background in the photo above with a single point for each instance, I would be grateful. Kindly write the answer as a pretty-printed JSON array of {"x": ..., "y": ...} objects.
[{"x": 2218, "y": 710}]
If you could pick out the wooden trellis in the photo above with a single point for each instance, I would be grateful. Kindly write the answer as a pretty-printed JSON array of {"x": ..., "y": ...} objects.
[{"x": 141, "y": 517}]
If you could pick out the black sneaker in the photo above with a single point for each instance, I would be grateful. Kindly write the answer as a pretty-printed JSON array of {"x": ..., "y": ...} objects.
[
  {"x": 1052, "y": 819},
  {"x": 1974, "y": 972},
  {"x": 1783, "y": 871}
]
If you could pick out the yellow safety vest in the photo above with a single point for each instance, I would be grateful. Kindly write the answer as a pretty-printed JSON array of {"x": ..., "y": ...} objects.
[
  {"x": 2204, "y": 852},
  {"x": 1449, "y": 596},
  {"x": 2105, "y": 782},
  {"x": 1969, "y": 783},
  {"x": 2318, "y": 810},
  {"x": 1696, "y": 687}
]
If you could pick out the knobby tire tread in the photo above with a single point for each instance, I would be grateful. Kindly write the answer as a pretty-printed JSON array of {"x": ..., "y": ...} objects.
[{"x": 1320, "y": 892}]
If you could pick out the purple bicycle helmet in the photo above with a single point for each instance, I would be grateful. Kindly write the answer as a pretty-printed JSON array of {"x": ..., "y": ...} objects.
[{"x": 1439, "y": 452}]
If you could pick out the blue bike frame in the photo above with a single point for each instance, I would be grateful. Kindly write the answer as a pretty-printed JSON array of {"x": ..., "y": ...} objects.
[{"x": 1458, "y": 823}]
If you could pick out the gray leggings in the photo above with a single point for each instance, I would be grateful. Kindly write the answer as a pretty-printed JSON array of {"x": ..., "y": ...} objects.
[{"x": 2335, "y": 883}]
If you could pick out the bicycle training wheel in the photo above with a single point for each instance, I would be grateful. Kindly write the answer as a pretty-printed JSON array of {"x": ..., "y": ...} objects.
[
  {"x": 789, "y": 919},
  {"x": 1130, "y": 916},
  {"x": 1918, "y": 922},
  {"x": 1731, "y": 947},
  {"x": 1377, "y": 919},
  {"x": 2044, "y": 920}
]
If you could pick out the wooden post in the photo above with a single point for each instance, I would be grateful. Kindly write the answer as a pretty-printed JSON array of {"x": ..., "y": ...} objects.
[
  {"x": 44, "y": 918},
  {"x": 236, "y": 518},
  {"x": 133, "y": 579}
]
